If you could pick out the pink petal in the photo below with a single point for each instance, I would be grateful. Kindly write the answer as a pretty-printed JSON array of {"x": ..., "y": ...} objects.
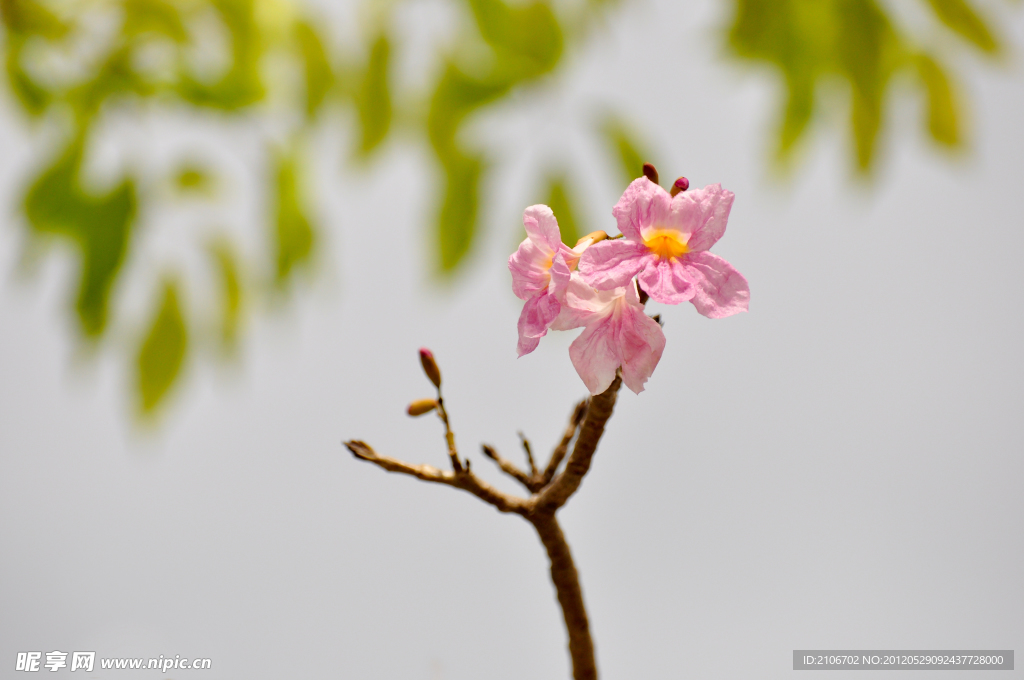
[
  {"x": 703, "y": 213},
  {"x": 542, "y": 227},
  {"x": 595, "y": 356},
  {"x": 618, "y": 335},
  {"x": 611, "y": 264},
  {"x": 578, "y": 305},
  {"x": 641, "y": 343},
  {"x": 526, "y": 345},
  {"x": 583, "y": 304},
  {"x": 643, "y": 204},
  {"x": 665, "y": 282},
  {"x": 529, "y": 266},
  {"x": 720, "y": 289},
  {"x": 537, "y": 315},
  {"x": 560, "y": 273}
]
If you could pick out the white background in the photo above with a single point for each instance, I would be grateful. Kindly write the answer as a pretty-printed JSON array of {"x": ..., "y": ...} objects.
[{"x": 839, "y": 468}]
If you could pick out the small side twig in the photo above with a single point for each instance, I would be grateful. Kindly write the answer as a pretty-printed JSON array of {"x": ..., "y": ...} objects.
[
  {"x": 449, "y": 436},
  {"x": 563, "y": 446},
  {"x": 529, "y": 453},
  {"x": 509, "y": 468},
  {"x": 460, "y": 479}
]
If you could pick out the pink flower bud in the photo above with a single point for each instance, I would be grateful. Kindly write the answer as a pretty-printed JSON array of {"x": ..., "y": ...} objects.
[
  {"x": 430, "y": 366},
  {"x": 680, "y": 185}
]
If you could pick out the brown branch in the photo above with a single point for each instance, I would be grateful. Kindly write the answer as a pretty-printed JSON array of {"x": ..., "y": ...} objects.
[
  {"x": 565, "y": 484},
  {"x": 551, "y": 491},
  {"x": 511, "y": 470},
  {"x": 563, "y": 446},
  {"x": 570, "y": 596},
  {"x": 463, "y": 478}
]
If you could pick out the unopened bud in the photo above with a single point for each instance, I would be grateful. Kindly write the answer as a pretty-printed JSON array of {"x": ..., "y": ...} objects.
[
  {"x": 680, "y": 185},
  {"x": 592, "y": 238},
  {"x": 650, "y": 172},
  {"x": 430, "y": 366},
  {"x": 421, "y": 406}
]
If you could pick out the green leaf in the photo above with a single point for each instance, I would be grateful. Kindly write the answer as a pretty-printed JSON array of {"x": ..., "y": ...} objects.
[
  {"x": 193, "y": 178},
  {"x": 28, "y": 17},
  {"x": 241, "y": 86},
  {"x": 162, "y": 353},
  {"x": 627, "y": 150},
  {"x": 153, "y": 16},
  {"x": 810, "y": 41},
  {"x": 115, "y": 76},
  {"x": 798, "y": 112},
  {"x": 317, "y": 67},
  {"x": 373, "y": 98},
  {"x": 100, "y": 226},
  {"x": 558, "y": 199},
  {"x": 527, "y": 39},
  {"x": 226, "y": 262},
  {"x": 961, "y": 18},
  {"x": 942, "y": 108},
  {"x": 456, "y": 224},
  {"x": 34, "y": 98},
  {"x": 293, "y": 234},
  {"x": 455, "y": 97},
  {"x": 527, "y": 43}
]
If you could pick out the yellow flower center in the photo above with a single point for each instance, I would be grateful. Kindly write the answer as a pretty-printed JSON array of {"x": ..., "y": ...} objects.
[{"x": 665, "y": 243}]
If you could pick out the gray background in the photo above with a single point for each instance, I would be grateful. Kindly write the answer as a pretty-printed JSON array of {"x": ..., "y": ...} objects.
[{"x": 839, "y": 468}]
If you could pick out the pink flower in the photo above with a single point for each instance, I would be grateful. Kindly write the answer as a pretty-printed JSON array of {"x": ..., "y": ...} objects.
[
  {"x": 540, "y": 273},
  {"x": 617, "y": 334},
  {"x": 665, "y": 245}
]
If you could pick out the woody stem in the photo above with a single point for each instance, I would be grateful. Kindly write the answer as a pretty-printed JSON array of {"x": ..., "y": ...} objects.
[{"x": 570, "y": 595}]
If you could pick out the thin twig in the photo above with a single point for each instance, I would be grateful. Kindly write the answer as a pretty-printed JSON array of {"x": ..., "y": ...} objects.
[
  {"x": 460, "y": 479},
  {"x": 510, "y": 469},
  {"x": 563, "y": 446},
  {"x": 449, "y": 436},
  {"x": 529, "y": 453}
]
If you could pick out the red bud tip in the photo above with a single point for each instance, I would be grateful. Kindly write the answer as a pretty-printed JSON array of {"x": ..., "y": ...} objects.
[
  {"x": 650, "y": 172},
  {"x": 680, "y": 185},
  {"x": 430, "y": 366},
  {"x": 421, "y": 406}
]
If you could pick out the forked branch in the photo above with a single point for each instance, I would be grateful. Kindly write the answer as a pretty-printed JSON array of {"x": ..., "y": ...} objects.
[
  {"x": 536, "y": 480},
  {"x": 550, "y": 491}
]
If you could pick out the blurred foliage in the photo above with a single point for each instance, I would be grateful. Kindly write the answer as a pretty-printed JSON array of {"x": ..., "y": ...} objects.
[
  {"x": 99, "y": 226},
  {"x": 191, "y": 178},
  {"x": 293, "y": 234},
  {"x": 856, "y": 41},
  {"x": 560, "y": 200},
  {"x": 211, "y": 57},
  {"x": 626, "y": 149},
  {"x": 526, "y": 42},
  {"x": 229, "y": 271},
  {"x": 373, "y": 98},
  {"x": 162, "y": 353}
]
